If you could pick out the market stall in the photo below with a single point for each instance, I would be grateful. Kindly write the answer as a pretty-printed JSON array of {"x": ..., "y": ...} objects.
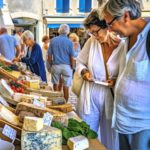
[{"x": 32, "y": 116}]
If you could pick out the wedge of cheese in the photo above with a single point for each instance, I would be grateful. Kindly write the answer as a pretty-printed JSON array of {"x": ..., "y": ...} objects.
[
  {"x": 64, "y": 108},
  {"x": 5, "y": 89},
  {"x": 16, "y": 74},
  {"x": 39, "y": 112},
  {"x": 33, "y": 123},
  {"x": 7, "y": 115},
  {"x": 33, "y": 84},
  {"x": 78, "y": 143}
]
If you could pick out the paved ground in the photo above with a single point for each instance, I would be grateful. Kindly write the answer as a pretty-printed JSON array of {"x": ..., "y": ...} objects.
[{"x": 72, "y": 96}]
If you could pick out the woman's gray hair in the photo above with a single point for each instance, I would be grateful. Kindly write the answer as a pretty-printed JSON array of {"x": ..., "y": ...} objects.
[
  {"x": 27, "y": 35},
  {"x": 64, "y": 29},
  {"x": 119, "y": 7}
]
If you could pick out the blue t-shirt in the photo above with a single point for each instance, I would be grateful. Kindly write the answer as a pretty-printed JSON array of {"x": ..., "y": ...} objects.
[
  {"x": 61, "y": 49},
  {"x": 7, "y": 46}
]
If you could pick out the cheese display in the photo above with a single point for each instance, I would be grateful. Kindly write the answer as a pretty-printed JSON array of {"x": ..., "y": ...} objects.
[
  {"x": 48, "y": 138},
  {"x": 33, "y": 124},
  {"x": 78, "y": 143},
  {"x": 39, "y": 112},
  {"x": 8, "y": 115}
]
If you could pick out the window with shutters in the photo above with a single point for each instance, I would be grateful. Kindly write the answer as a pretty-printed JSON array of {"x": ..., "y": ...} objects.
[
  {"x": 85, "y": 6},
  {"x": 62, "y": 6}
]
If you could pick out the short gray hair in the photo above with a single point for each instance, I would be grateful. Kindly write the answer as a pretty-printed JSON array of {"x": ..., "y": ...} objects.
[
  {"x": 64, "y": 29},
  {"x": 19, "y": 29},
  {"x": 118, "y": 7},
  {"x": 27, "y": 35}
]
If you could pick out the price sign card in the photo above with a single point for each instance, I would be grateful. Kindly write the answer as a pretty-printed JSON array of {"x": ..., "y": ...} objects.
[
  {"x": 9, "y": 132},
  {"x": 47, "y": 119},
  {"x": 38, "y": 103}
]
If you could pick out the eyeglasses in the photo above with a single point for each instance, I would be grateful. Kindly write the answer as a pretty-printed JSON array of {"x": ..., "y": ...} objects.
[
  {"x": 95, "y": 33},
  {"x": 111, "y": 22}
]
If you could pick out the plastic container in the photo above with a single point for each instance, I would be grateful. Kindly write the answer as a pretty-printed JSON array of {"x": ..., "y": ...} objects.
[{"x": 4, "y": 145}]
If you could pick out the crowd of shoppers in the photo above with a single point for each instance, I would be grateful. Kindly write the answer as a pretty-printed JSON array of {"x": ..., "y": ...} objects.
[{"x": 115, "y": 54}]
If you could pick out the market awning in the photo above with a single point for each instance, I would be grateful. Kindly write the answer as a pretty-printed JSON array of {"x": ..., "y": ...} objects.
[
  {"x": 53, "y": 26},
  {"x": 55, "y": 22}
]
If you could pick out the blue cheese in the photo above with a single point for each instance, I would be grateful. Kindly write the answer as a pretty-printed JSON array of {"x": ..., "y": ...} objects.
[
  {"x": 48, "y": 138},
  {"x": 78, "y": 143}
]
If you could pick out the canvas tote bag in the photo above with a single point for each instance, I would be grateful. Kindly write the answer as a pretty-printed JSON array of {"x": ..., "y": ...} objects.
[{"x": 77, "y": 84}]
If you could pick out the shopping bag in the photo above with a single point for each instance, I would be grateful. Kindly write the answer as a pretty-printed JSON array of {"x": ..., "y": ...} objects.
[{"x": 77, "y": 84}]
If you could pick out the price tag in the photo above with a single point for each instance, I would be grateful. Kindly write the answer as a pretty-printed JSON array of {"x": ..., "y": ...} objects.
[
  {"x": 47, "y": 119},
  {"x": 38, "y": 103},
  {"x": 9, "y": 132}
]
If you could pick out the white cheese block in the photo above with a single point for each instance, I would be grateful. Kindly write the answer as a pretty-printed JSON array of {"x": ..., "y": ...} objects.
[
  {"x": 8, "y": 115},
  {"x": 48, "y": 138},
  {"x": 78, "y": 143},
  {"x": 5, "y": 89},
  {"x": 33, "y": 123}
]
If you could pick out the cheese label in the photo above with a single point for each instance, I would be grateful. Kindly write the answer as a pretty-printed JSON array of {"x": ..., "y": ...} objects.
[
  {"x": 47, "y": 119},
  {"x": 38, "y": 103},
  {"x": 9, "y": 132}
]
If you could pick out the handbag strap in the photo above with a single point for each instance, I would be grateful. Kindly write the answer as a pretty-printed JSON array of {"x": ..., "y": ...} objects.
[{"x": 106, "y": 68}]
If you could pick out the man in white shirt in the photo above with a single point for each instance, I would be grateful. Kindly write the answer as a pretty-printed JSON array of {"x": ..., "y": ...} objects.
[{"x": 131, "y": 116}]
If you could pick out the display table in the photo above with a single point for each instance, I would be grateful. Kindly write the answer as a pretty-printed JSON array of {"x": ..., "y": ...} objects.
[{"x": 94, "y": 145}]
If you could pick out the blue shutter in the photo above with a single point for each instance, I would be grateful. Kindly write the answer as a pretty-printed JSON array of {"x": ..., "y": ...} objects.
[
  {"x": 1, "y": 3},
  {"x": 88, "y": 5},
  {"x": 66, "y": 6},
  {"x": 85, "y": 5},
  {"x": 59, "y": 6},
  {"x": 62, "y": 6}
]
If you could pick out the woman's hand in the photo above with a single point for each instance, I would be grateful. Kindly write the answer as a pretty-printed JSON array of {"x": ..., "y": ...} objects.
[
  {"x": 87, "y": 76},
  {"x": 111, "y": 82},
  {"x": 17, "y": 59}
]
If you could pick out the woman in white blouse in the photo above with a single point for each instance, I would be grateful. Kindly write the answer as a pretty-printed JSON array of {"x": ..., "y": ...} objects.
[{"x": 95, "y": 103}]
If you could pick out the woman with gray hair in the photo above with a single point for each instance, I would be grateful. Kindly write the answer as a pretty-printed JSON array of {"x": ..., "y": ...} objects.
[
  {"x": 34, "y": 58},
  {"x": 131, "y": 116},
  {"x": 97, "y": 64}
]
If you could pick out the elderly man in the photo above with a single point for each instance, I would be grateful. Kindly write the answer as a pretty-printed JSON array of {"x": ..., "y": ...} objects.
[
  {"x": 131, "y": 117},
  {"x": 61, "y": 57},
  {"x": 8, "y": 45}
]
